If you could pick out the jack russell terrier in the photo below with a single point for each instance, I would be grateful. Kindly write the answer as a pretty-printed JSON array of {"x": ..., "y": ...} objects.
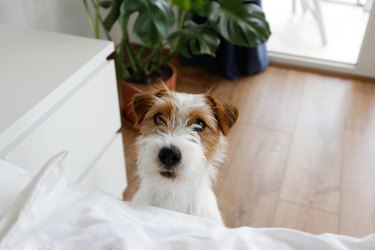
[{"x": 181, "y": 146}]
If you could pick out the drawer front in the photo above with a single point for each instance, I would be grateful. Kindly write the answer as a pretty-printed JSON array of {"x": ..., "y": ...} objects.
[
  {"x": 108, "y": 173},
  {"x": 83, "y": 124}
]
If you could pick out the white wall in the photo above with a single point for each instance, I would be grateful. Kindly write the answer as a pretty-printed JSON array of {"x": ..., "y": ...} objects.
[{"x": 64, "y": 16}]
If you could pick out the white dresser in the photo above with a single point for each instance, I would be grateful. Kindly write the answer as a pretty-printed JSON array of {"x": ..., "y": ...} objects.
[{"x": 58, "y": 92}]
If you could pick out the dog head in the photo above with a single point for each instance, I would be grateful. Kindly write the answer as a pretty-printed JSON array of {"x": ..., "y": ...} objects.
[{"x": 183, "y": 136}]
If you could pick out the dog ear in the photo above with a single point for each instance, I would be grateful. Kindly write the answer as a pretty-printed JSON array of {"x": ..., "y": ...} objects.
[
  {"x": 225, "y": 113},
  {"x": 142, "y": 102}
]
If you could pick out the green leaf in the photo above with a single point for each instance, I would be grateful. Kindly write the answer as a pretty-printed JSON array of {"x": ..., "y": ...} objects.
[
  {"x": 184, "y": 5},
  {"x": 199, "y": 7},
  {"x": 196, "y": 6},
  {"x": 105, "y": 3},
  {"x": 126, "y": 10},
  {"x": 154, "y": 22},
  {"x": 240, "y": 22},
  {"x": 113, "y": 15},
  {"x": 195, "y": 39},
  {"x": 199, "y": 4}
]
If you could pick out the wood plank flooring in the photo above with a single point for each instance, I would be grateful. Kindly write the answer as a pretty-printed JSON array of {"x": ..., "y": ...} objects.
[{"x": 302, "y": 154}]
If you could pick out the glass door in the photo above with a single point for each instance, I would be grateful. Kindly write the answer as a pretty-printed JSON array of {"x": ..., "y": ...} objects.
[{"x": 329, "y": 34}]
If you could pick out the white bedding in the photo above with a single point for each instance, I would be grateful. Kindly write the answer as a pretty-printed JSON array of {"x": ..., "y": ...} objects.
[{"x": 47, "y": 212}]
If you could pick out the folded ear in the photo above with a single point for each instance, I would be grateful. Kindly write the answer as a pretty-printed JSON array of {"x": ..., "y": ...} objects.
[
  {"x": 142, "y": 102},
  {"x": 225, "y": 113}
]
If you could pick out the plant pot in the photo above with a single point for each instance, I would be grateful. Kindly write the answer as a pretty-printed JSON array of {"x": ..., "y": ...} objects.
[{"x": 128, "y": 89}]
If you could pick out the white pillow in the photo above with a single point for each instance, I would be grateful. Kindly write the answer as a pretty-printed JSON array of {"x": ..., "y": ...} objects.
[
  {"x": 33, "y": 203},
  {"x": 12, "y": 180}
]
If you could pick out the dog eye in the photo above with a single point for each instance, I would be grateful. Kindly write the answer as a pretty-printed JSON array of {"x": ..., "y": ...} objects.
[
  {"x": 158, "y": 119},
  {"x": 199, "y": 125}
]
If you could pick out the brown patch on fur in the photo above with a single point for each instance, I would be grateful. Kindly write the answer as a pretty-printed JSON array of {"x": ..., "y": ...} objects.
[
  {"x": 210, "y": 136},
  {"x": 166, "y": 108},
  {"x": 210, "y": 139},
  {"x": 143, "y": 102},
  {"x": 147, "y": 105},
  {"x": 225, "y": 113},
  {"x": 132, "y": 188}
]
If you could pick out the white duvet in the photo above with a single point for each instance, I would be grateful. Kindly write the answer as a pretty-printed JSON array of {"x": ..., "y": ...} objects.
[{"x": 47, "y": 213}]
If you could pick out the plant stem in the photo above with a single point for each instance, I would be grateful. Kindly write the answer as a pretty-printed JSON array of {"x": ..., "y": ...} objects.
[
  {"x": 173, "y": 49},
  {"x": 122, "y": 71},
  {"x": 98, "y": 20},
  {"x": 126, "y": 44},
  {"x": 89, "y": 16},
  {"x": 161, "y": 53},
  {"x": 157, "y": 63},
  {"x": 97, "y": 15},
  {"x": 146, "y": 63},
  {"x": 138, "y": 55},
  {"x": 181, "y": 20},
  {"x": 105, "y": 31}
]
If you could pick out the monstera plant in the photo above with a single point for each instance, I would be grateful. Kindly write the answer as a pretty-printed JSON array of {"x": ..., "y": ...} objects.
[
  {"x": 157, "y": 26},
  {"x": 163, "y": 28}
]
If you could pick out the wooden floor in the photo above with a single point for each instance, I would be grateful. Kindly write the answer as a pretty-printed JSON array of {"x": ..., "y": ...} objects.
[{"x": 302, "y": 153}]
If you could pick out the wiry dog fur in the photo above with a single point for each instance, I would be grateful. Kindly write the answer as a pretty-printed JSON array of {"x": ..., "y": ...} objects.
[{"x": 192, "y": 127}]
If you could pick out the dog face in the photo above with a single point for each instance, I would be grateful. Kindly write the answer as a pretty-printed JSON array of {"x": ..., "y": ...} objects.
[{"x": 182, "y": 135}]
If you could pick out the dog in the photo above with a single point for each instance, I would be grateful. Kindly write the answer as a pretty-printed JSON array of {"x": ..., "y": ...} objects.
[{"x": 181, "y": 144}]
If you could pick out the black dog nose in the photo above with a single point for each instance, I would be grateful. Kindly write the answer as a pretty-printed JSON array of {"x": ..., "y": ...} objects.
[{"x": 169, "y": 157}]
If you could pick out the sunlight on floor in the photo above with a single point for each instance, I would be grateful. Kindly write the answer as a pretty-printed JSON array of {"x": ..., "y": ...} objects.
[{"x": 298, "y": 34}]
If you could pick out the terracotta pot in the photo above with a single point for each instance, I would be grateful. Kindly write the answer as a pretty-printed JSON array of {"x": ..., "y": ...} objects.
[{"x": 128, "y": 89}]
